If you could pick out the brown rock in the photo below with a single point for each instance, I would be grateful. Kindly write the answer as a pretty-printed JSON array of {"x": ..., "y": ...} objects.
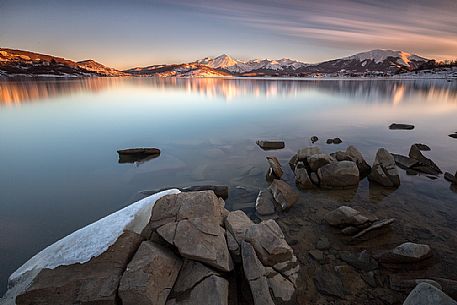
[
  {"x": 275, "y": 167},
  {"x": 343, "y": 174},
  {"x": 283, "y": 194}
]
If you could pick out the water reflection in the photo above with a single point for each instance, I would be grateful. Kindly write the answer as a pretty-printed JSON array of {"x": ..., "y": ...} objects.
[{"x": 368, "y": 91}]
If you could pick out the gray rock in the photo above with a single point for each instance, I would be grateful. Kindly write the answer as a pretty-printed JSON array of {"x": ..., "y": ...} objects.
[
  {"x": 342, "y": 156},
  {"x": 304, "y": 153},
  {"x": 270, "y": 144},
  {"x": 212, "y": 290},
  {"x": 323, "y": 243},
  {"x": 317, "y": 255},
  {"x": 426, "y": 164},
  {"x": 233, "y": 246},
  {"x": 149, "y": 276},
  {"x": 351, "y": 230},
  {"x": 426, "y": 294},
  {"x": 337, "y": 141},
  {"x": 343, "y": 174},
  {"x": 362, "y": 261},
  {"x": 404, "y": 162},
  {"x": 275, "y": 167},
  {"x": 302, "y": 178},
  {"x": 293, "y": 161},
  {"x": 284, "y": 195},
  {"x": 281, "y": 287},
  {"x": 253, "y": 268},
  {"x": 345, "y": 216},
  {"x": 314, "y": 178},
  {"x": 260, "y": 292},
  {"x": 318, "y": 160},
  {"x": 237, "y": 222},
  {"x": 265, "y": 203},
  {"x": 378, "y": 227},
  {"x": 269, "y": 243},
  {"x": 396, "y": 126},
  {"x": 362, "y": 165},
  {"x": 450, "y": 177},
  {"x": 190, "y": 275},
  {"x": 384, "y": 171},
  {"x": 328, "y": 283},
  {"x": 407, "y": 253},
  {"x": 423, "y": 147}
]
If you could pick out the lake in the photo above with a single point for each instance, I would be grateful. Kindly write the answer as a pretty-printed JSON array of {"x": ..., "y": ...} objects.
[{"x": 59, "y": 168}]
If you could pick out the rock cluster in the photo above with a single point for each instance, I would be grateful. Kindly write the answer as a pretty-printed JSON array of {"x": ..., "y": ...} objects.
[
  {"x": 185, "y": 255},
  {"x": 416, "y": 162}
]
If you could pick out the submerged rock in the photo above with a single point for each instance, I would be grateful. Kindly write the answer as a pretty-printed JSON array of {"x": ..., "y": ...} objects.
[
  {"x": 384, "y": 171},
  {"x": 398, "y": 126},
  {"x": 328, "y": 283},
  {"x": 362, "y": 261},
  {"x": 132, "y": 155},
  {"x": 270, "y": 144},
  {"x": 283, "y": 194},
  {"x": 426, "y": 165},
  {"x": 427, "y": 294},
  {"x": 343, "y": 174},
  {"x": 406, "y": 253}
]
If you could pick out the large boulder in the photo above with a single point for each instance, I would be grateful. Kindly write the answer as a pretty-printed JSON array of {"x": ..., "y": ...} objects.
[
  {"x": 269, "y": 243},
  {"x": 384, "y": 171},
  {"x": 406, "y": 253},
  {"x": 93, "y": 282},
  {"x": 345, "y": 216},
  {"x": 304, "y": 153},
  {"x": 427, "y": 294},
  {"x": 362, "y": 165},
  {"x": 283, "y": 194},
  {"x": 342, "y": 174},
  {"x": 318, "y": 160},
  {"x": 149, "y": 276}
]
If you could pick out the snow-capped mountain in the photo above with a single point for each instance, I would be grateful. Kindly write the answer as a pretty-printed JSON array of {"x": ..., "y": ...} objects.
[
  {"x": 180, "y": 70},
  {"x": 93, "y": 66}
]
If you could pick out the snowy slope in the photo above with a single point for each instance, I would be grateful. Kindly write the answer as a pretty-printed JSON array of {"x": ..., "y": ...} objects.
[{"x": 378, "y": 56}]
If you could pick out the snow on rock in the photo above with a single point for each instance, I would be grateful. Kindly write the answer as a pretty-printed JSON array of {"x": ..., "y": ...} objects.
[
  {"x": 85, "y": 243},
  {"x": 379, "y": 56}
]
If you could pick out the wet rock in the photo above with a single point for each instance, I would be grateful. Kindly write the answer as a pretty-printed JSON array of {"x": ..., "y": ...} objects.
[
  {"x": 293, "y": 161},
  {"x": 266, "y": 145},
  {"x": 450, "y": 177},
  {"x": 318, "y": 160},
  {"x": 362, "y": 261},
  {"x": 93, "y": 282},
  {"x": 426, "y": 294},
  {"x": 404, "y": 162},
  {"x": 302, "y": 178},
  {"x": 323, "y": 243},
  {"x": 275, "y": 167},
  {"x": 342, "y": 156},
  {"x": 423, "y": 147},
  {"x": 269, "y": 243},
  {"x": 237, "y": 222},
  {"x": 406, "y": 253},
  {"x": 362, "y": 165},
  {"x": 314, "y": 139},
  {"x": 384, "y": 171},
  {"x": 343, "y": 174},
  {"x": 265, "y": 203},
  {"x": 378, "y": 227},
  {"x": 329, "y": 141},
  {"x": 328, "y": 283},
  {"x": 337, "y": 141},
  {"x": 453, "y": 135},
  {"x": 345, "y": 216},
  {"x": 219, "y": 190},
  {"x": 149, "y": 276},
  {"x": 132, "y": 155},
  {"x": 211, "y": 290},
  {"x": 426, "y": 165},
  {"x": 284, "y": 195},
  {"x": 396, "y": 126},
  {"x": 304, "y": 153}
]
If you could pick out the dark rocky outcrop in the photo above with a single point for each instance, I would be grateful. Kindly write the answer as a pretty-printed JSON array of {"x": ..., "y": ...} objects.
[
  {"x": 267, "y": 145},
  {"x": 399, "y": 126}
]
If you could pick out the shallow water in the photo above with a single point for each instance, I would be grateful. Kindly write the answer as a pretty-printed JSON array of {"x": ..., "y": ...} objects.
[{"x": 59, "y": 168}]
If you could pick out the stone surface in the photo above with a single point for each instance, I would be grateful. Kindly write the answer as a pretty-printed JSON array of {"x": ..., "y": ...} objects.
[
  {"x": 384, "y": 171},
  {"x": 345, "y": 216},
  {"x": 211, "y": 290},
  {"x": 293, "y": 161},
  {"x": 219, "y": 190},
  {"x": 302, "y": 178},
  {"x": 423, "y": 147},
  {"x": 269, "y": 243},
  {"x": 253, "y": 268},
  {"x": 284, "y": 195},
  {"x": 404, "y": 162},
  {"x": 362, "y": 261},
  {"x": 426, "y": 164},
  {"x": 280, "y": 287},
  {"x": 407, "y": 253},
  {"x": 260, "y": 292},
  {"x": 328, "y": 283},
  {"x": 265, "y": 203},
  {"x": 304, "y": 153},
  {"x": 237, "y": 222},
  {"x": 314, "y": 178},
  {"x": 397, "y": 126},
  {"x": 362, "y": 165},
  {"x": 149, "y": 276},
  {"x": 343, "y": 174},
  {"x": 378, "y": 227},
  {"x": 270, "y": 144},
  {"x": 275, "y": 167},
  {"x": 190, "y": 275},
  {"x": 337, "y": 141},
  {"x": 450, "y": 177},
  {"x": 94, "y": 282},
  {"x": 318, "y": 160},
  {"x": 426, "y": 294},
  {"x": 317, "y": 255}
]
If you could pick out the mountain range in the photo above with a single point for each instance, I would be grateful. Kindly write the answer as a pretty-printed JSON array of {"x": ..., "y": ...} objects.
[{"x": 17, "y": 63}]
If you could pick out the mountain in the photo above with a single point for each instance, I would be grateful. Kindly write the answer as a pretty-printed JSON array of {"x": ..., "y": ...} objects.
[
  {"x": 18, "y": 63},
  {"x": 178, "y": 70}
]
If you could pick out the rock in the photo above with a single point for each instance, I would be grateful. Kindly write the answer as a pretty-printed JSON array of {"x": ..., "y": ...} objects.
[
  {"x": 269, "y": 243},
  {"x": 304, "y": 153},
  {"x": 314, "y": 178},
  {"x": 237, "y": 222},
  {"x": 378, "y": 227},
  {"x": 293, "y": 161},
  {"x": 253, "y": 268},
  {"x": 342, "y": 156},
  {"x": 343, "y": 174},
  {"x": 329, "y": 141},
  {"x": 337, "y": 141},
  {"x": 362, "y": 165},
  {"x": 93, "y": 282},
  {"x": 423, "y": 147},
  {"x": 396, "y": 126},
  {"x": 211, "y": 290},
  {"x": 265, "y": 203},
  {"x": 302, "y": 178},
  {"x": 318, "y": 160},
  {"x": 275, "y": 167},
  {"x": 219, "y": 190},
  {"x": 314, "y": 139},
  {"x": 453, "y": 135},
  {"x": 345, "y": 216},
  {"x": 426, "y": 294},
  {"x": 404, "y": 162},
  {"x": 450, "y": 177},
  {"x": 425, "y": 162},
  {"x": 400, "y": 284},
  {"x": 384, "y": 171},
  {"x": 260, "y": 292},
  {"x": 351, "y": 230},
  {"x": 362, "y": 261},
  {"x": 323, "y": 243},
  {"x": 280, "y": 287},
  {"x": 328, "y": 283},
  {"x": 283, "y": 194},
  {"x": 406, "y": 253},
  {"x": 190, "y": 275},
  {"x": 132, "y": 155},
  {"x": 233, "y": 246},
  {"x": 266, "y": 145},
  {"x": 149, "y": 276},
  {"x": 317, "y": 255},
  {"x": 289, "y": 269}
]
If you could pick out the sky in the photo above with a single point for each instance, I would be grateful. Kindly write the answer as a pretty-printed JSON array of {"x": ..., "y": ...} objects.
[{"x": 125, "y": 34}]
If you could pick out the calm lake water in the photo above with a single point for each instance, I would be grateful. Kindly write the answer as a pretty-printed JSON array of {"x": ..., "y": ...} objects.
[{"x": 59, "y": 168}]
